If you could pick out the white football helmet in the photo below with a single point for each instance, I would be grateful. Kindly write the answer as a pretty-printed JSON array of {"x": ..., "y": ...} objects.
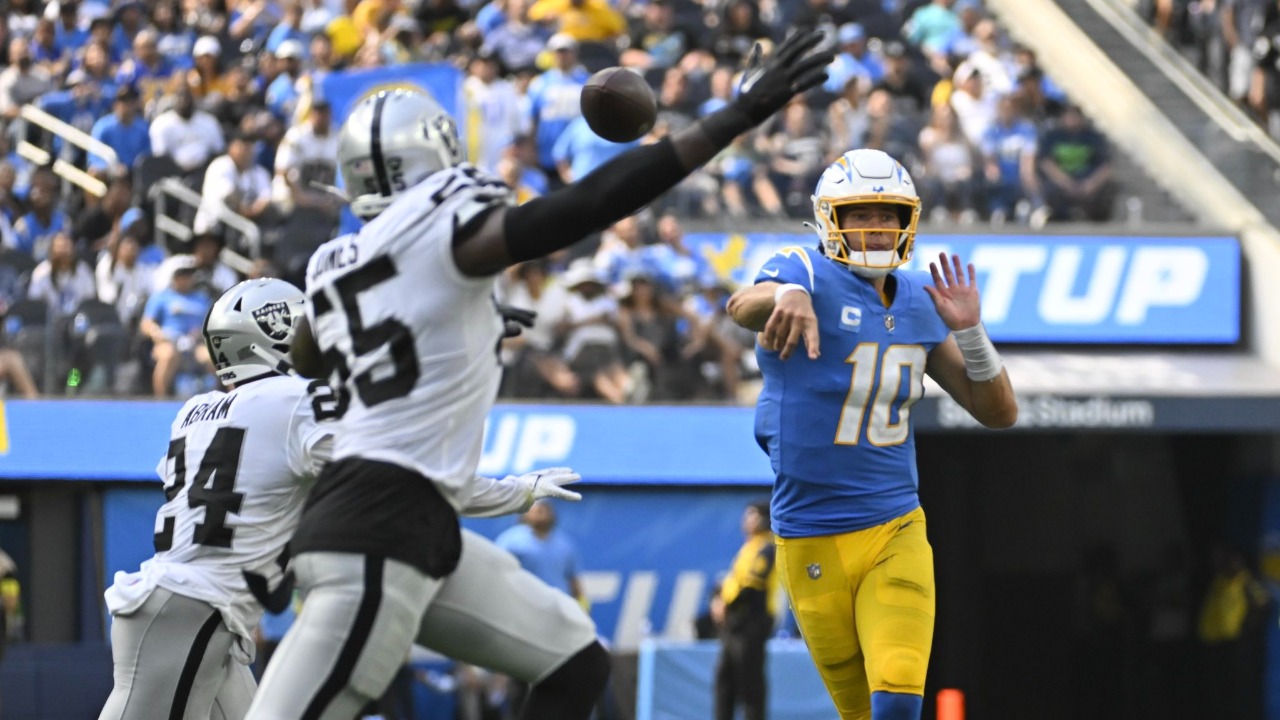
[
  {"x": 250, "y": 329},
  {"x": 862, "y": 177},
  {"x": 392, "y": 141}
]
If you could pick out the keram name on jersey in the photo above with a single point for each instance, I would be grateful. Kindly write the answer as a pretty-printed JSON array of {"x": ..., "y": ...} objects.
[
  {"x": 217, "y": 410},
  {"x": 335, "y": 258}
]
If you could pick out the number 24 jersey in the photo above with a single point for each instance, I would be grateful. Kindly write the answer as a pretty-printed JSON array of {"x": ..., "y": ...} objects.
[
  {"x": 838, "y": 429},
  {"x": 235, "y": 476}
]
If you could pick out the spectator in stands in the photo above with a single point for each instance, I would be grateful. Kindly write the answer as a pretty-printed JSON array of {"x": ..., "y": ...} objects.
[
  {"x": 744, "y": 177},
  {"x": 172, "y": 319},
  {"x": 234, "y": 182},
  {"x": 853, "y": 61},
  {"x": 205, "y": 17},
  {"x": 186, "y": 135},
  {"x": 14, "y": 372},
  {"x": 677, "y": 106},
  {"x": 174, "y": 40},
  {"x": 534, "y": 367},
  {"x": 22, "y": 82},
  {"x": 211, "y": 276},
  {"x": 673, "y": 264},
  {"x": 146, "y": 69},
  {"x": 738, "y": 31},
  {"x": 10, "y": 204},
  {"x": 589, "y": 330},
  {"x": 796, "y": 149},
  {"x": 1033, "y": 102},
  {"x": 931, "y": 25},
  {"x": 973, "y": 102},
  {"x": 947, "y": 183},
  {"x": 583, "y": 20},
  {"x": 96, "y": 64},
  {"x": 46, "y": 52},
  {"x": 122, "y": 281},
  {"x": 621, "y": 251},
  {"x": 125, "y": 131},
  {"x": 650, "y": 323},
  {"x": 68, "y": 32},
  {"x": 206, "y": 76},
  {"x": 900, "y": 81},
  {"x": 1240, "y": 22},
  {"x": 34, "y": 231},
  {"x": 80, "y": 105},
  {"x": 252, "y": 21},
  {"x": 99, "y": 226},
  {"x": 1009, "y": 162},
  {"x": 491, "y": 112},
  {"x": 289, "y": 27},
  {"x": 513, "y": 173},
  {"x": 516, "y": 40},
  {"x": 847, "y": 118},
  {"x": 62, "y": 280},
  {"x": 282, "y": 93},
  {"x": 308, "y": 155},
  {"x": 1075, "y": 162},
  {"x": 1235, "y": 609},
  {"x": 553, "y": 100},
  {"x": 579, "y": 150},
  {"x": 657, "y": 40}
]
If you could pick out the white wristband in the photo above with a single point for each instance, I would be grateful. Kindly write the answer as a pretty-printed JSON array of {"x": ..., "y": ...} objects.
[
  {"x": 784, "y": 289},
  {"x": 981, "y": 361}
]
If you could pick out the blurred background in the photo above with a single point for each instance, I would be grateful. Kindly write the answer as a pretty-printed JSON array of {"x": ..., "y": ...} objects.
[{"x": 1109, "y": 166}]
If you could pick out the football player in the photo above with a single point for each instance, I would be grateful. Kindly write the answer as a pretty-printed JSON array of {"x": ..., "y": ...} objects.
[
  {"x": 835, "y": 420},
  {"x": 405, "y": 325},
  {"x": 235, "y": 475}
]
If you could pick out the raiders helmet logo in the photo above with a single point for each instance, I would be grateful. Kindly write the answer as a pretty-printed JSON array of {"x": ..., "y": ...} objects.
[{"x": 275, "y": 320}]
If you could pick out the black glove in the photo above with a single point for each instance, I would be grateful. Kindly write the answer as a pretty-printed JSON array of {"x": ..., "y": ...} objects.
[
  {"x": 515, "y": 320},
  {"x": 768, "y": 84}
]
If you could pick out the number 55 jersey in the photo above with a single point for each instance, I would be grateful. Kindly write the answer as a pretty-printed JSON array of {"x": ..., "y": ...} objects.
[
  {"x": 838, "y": 429},
  {"x": 235, "y": 477}
]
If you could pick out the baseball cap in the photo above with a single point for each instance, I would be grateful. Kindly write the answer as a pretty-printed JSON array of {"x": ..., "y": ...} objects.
[
  {"x": 562, "y": 41},
  {"x": 130, "y": 216},
  {"x": 207, "y": 45},
  {"x": 895, "y": 48},
  {"x": 289, "y": 49},
  {"x": 850, "y": 33}
]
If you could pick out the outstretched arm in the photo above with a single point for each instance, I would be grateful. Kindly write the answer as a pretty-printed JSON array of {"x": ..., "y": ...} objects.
[
  {"x": 516, "y": 493},
  {"x": 639, "y": 176}
]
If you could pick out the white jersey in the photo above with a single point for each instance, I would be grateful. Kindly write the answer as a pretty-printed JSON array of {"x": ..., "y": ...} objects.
[
  {"x": 412, "y": 342},
  {"x": 235, "y": 477}
]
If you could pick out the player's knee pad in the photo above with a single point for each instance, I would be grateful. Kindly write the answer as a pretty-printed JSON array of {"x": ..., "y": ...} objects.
[
  {"x": 587, "y": 672},
  {"x": 899, "y": 670}
]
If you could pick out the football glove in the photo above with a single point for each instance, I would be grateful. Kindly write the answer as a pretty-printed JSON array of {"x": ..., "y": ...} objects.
[
  {"x": 515, "y": 319},
  {"x": 768, "y": 84},
  {"x": 547, "y": 483}
]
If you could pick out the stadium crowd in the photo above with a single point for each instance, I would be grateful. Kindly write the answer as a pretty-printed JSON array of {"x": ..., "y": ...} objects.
[{"x": 226, "y": 99}]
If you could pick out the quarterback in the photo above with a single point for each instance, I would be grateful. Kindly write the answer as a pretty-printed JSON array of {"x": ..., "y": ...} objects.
[{"x": 835, "y": 421}]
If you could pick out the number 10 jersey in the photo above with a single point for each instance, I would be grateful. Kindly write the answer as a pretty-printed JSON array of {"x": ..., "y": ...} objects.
[{"x": 410, "y": 342}]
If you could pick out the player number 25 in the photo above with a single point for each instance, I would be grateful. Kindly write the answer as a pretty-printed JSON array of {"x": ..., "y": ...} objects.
[{"x": 894, "y": 363}]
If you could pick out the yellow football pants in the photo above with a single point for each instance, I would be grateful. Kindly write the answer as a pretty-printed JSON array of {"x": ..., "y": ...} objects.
[{"x": 864, "y": 602}]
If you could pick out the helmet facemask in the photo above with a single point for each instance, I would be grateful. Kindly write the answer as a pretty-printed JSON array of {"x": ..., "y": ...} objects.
[{"x": 853, "y": 246}]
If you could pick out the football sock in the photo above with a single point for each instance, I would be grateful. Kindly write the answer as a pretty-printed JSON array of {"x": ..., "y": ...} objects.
[{"x": 896, "y": 706}]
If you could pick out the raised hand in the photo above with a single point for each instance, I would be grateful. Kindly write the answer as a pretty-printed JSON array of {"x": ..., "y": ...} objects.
[
  {"x": 768, "y": 84},
  {"x": 955, "y": 297}
]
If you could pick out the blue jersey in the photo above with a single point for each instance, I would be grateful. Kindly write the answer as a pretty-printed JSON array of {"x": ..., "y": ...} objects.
[{"x": 838, "y": 429}]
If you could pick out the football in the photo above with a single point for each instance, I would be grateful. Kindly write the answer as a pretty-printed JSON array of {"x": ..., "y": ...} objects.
[{"x": 618, "y": 105}]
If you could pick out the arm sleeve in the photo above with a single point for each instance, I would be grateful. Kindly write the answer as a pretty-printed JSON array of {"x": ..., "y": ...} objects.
[
  {"x": 609, "y": 193},
  {"x": 491, "y": 497}
]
